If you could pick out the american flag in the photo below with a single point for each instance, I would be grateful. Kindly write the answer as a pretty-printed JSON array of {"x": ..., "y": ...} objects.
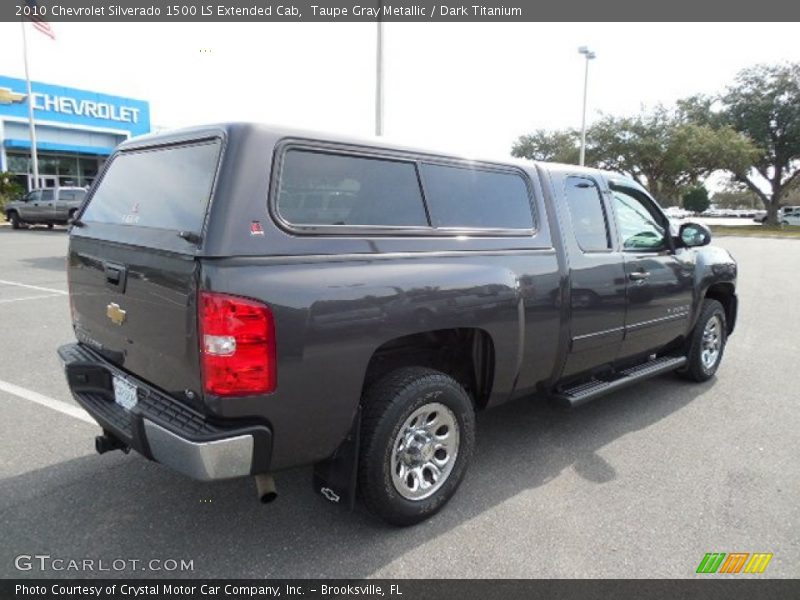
[{"x": 39, "y": 21}]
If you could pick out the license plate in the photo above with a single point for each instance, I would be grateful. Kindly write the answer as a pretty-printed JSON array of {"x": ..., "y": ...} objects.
[{"x": 124, "y": 393}]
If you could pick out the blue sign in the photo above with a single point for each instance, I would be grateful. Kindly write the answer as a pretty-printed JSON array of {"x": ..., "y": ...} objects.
[{"x": 73, "y": 107}]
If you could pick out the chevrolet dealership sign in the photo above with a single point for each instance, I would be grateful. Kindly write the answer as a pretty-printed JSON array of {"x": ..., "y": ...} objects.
[
  {"x": 85, "y": 108},
  {"x": 9, "y": 97},
  {"x": 73, "y": 107}
]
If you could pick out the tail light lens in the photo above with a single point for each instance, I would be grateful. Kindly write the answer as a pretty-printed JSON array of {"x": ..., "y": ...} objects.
[{"x": 237, "y": 345}]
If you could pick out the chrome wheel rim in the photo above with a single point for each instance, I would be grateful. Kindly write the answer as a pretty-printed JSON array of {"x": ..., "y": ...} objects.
[
  {"x": 712, "y": 342},
  {"x": 424, "y": 451}
]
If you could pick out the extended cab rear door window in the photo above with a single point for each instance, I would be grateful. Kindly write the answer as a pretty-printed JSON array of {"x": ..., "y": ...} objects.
[
  {"x": 166, "y": 187},
  {"x": 465, "y": 197},
  {"x": 588, "y": 215},
  {"x": 321, "y": 188}
]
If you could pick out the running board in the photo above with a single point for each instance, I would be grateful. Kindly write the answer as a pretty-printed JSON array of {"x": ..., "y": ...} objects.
[{"x": 580, "y": 394}]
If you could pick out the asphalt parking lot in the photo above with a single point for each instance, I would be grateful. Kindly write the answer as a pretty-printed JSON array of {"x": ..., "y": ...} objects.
[{"x": 639, "y": 484}]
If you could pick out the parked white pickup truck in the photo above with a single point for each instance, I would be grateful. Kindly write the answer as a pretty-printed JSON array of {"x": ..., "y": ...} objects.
[
  {"x": 50, "y": 206},
  {"x": 790, "y": 215},
  {"x": 787, "y": 215}
]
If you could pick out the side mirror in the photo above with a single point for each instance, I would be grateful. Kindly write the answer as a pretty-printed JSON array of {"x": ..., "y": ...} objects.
[{"x": 694, "y": 234}]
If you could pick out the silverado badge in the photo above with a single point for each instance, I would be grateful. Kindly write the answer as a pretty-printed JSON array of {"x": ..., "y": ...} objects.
[{"x": 115, "y": 313}]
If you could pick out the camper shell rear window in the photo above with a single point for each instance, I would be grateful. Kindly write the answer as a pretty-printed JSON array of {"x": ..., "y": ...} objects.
[{"x": 164, "y": 187}]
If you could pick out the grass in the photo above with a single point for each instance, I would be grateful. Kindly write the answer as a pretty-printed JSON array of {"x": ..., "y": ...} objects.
[{"x": 788, "y": 231}]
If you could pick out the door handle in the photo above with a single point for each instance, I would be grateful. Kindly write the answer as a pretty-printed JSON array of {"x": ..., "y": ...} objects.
[
  {"x": 116, "y": 276},
  {"x": 639, "y": 275}
]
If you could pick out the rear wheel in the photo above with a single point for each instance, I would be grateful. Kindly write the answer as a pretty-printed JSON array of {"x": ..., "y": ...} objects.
[
  {"x": 707, "y": 343},
  {"x": 418, "y": 435}
]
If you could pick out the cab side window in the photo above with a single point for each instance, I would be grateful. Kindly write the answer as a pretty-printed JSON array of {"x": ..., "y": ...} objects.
[
  {"x": 640, "y": 227},
  {"x": 326, "y": 188},
  {"x": 47, "y": 196},
  {"x": 460, "y": 196}
]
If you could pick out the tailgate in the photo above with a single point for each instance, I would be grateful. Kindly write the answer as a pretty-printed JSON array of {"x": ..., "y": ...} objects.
[
  {"x": 132, "y": 268},
  {"x": 137, "y": 307}
]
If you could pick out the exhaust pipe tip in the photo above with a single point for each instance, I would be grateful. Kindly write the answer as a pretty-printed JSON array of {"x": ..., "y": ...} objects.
[
  {"x": 106, "y": 443},
  {"x": 265, "y": 488}
]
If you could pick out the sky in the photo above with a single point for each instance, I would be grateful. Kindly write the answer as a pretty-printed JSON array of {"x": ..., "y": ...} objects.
[{"x": 470, "y": 88}]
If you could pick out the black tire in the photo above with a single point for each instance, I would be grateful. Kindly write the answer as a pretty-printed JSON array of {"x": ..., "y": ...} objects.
[
  {"x": 14, "y": 218},
  {"x": 387, "y": 405},
  {"x": 49, "y": 225},
  {"x": 696, "y": 368}
]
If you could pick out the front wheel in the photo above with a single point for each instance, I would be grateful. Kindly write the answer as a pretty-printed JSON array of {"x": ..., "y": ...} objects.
[
  {"x": 418, "y": 435},
  {"x": 707, "y": 343},
  {"x": 15, "y": 222}
]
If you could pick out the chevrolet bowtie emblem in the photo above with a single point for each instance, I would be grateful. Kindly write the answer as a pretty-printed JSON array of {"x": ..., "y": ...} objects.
[
  {"x": 9, "y": 97},
  {"x": 115, "y": 313}
]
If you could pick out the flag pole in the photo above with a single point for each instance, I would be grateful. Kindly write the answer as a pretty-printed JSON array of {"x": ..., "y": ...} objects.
[
  {"x": 34, "y": 156},
  {"x": 379, "y": 73}
]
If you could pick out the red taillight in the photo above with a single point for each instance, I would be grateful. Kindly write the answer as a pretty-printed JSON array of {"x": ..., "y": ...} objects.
[{"x": 237, "y": 345}]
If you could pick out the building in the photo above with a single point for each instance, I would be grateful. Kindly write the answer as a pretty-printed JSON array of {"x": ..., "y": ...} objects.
[{"x": 75, "y": 131}]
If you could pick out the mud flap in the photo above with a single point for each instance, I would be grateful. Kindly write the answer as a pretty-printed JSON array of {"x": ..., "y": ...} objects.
[{"x": 335, "y": 478}]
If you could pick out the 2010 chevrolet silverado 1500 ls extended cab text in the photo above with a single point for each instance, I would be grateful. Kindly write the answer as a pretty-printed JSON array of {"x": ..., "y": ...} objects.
[{"x": 248, "y": 299}]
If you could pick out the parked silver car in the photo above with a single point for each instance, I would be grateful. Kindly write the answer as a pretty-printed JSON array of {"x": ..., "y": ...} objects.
[{"x": 50, "y": 206}]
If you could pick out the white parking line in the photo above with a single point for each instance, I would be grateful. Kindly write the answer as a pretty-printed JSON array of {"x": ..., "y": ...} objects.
[
  {"x": 34, "y": 287},
  {"x": 30, "y": 298},
  {"x": 60, "y": 406}
]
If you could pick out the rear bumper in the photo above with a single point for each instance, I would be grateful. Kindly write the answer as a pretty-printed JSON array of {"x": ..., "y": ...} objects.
[{"x": 161, "y": 428}]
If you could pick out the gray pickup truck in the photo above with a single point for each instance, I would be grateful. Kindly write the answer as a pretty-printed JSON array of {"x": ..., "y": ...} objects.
[
  {"x": 247, "y": 299},
  {"x": 48, "y": 206}
]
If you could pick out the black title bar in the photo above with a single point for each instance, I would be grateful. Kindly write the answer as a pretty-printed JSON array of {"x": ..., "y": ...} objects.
[{"x": 143, "y": 11}]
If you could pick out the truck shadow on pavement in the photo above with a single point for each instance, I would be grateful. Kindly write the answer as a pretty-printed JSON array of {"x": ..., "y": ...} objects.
[
  {"x": 46, "y": 263},
  {"x": 34, "y": 229},
  {"x": 118, "y": 506}
]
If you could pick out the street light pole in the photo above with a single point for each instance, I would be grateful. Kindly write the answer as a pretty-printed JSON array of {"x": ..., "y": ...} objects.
[{"x": 589, "y": 56}]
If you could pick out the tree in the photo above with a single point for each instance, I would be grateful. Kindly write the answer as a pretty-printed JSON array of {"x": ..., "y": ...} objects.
[
  {"x": 665, "y": 150},
  {"x": 764, "y": 104},
  {"x": 10, "y": 189},
  {"x": 696, "y": 199},
  {"x": 735, "y": 198},
  {"x": 791, "y": 194},
  {"x": 549, "y": 146}
]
